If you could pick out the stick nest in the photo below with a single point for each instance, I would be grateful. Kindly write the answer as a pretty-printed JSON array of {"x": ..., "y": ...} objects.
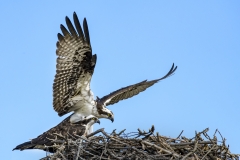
[{"x": 100, "y": 145}]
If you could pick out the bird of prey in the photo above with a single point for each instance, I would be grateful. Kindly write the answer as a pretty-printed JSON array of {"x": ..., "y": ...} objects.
[
  {"x": 59, "y": 133},
  {"x": 74, "y": 70}
]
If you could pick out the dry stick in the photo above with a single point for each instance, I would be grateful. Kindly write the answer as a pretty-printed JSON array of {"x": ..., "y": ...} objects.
[
  {"x": 221, "y": 135},
  {"x": 167, "y": 151},
  {"x": 166, "y": 145},
  {"x": 195, "y": 156},
  {"x": 179, "y": 135},
  {"x": 104, "y": 149},
  {"x": 121, "y": 132},
  {"x": 113, "y": 154},
  {"x": 96, "y": 132},
  {"x": 93, "y": 150},
  {"x": 227, "y": 151},
  {"x": 191, "y": 143},
  {"x": 215, "y": 132},
  {"x": 89, "y": 153},
  {"x": 84, "y": 138},
  {"x": 123, "y": 143},
  {"x": 208, "y": 151},
  {"x": 167, "y": 139},
  {"x": 199, "y": 133},
  {"x": 194, "y": 149},
  {"x": 208, "y": 137},
  {"x": 79, "y": 147},
  {"x": 62, "y": 156}
]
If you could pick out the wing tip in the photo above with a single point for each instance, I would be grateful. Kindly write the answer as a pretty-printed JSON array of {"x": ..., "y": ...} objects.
[
  {"x": 60, "y": 114},
  {"x": 74, "y": 13},
  {"x": 171, "y": 71},
  {"x": 60, "y": 36},
  {"x": 86, "y": 31}
]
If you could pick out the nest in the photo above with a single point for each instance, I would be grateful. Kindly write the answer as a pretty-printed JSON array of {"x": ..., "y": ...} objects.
[{"x": 100, "y": 145}]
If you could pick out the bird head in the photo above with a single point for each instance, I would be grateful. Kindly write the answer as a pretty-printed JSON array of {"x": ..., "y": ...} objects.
[
  {"x": 103, "y": 111},
  {"x": 106, "y": 113}
]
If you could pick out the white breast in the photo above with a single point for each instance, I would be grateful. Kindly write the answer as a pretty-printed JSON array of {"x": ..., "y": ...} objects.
[{"x": 83, "y": 108}]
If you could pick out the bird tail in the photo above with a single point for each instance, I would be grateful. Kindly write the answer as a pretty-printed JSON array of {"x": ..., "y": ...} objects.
[
  {"x": 26, "y": 145},
  {"x": 30, "y": 145}
]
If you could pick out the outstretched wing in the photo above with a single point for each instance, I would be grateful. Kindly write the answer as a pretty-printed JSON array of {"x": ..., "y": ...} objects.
[
  {"x": 132, "y": 90},
  {"x": 75, "y": 65}
]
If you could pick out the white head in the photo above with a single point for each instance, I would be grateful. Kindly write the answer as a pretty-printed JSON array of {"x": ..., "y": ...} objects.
[
  {"x": 106, "y": 113},
  {"x": 103, "y": 111}
]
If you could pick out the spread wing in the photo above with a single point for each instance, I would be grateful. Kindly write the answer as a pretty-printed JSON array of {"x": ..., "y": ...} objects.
[
  {"x": 75, "y": 65},
  {"x": 132, "y": 90}
]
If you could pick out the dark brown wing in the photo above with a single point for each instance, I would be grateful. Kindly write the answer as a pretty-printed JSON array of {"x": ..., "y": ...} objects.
[
  {"x": 132, "y": 90},
  {"x": 55, "y": 135},
  {"x": 75, "y": 65}
]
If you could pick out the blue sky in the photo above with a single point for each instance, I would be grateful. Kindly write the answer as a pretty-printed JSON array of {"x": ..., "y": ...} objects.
[{"x": 134, "y": 41}]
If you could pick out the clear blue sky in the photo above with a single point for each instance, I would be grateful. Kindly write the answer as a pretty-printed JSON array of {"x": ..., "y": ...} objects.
[{"x": 134, "y": 41}]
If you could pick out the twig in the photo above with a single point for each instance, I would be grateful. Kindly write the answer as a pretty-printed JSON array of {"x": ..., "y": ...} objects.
[{"x": 104, "y": 146}]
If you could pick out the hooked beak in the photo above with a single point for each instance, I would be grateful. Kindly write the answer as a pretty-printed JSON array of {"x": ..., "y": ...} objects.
[
  {"x": 112, "y": 119},
  {"x": 97, "y": 121}
]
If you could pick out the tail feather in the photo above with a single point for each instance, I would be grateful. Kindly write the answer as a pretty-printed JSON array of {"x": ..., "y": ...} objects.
[
  {"x": 30, "y": 145},
  {"x": 26, "y": 145}
]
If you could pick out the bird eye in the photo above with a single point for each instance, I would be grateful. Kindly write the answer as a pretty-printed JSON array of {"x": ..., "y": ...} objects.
[
  {"x": 109, "y": 115},
  {"x": 94, "y": 118}
]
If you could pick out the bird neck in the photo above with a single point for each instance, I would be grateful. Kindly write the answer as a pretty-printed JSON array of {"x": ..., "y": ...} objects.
[
  {"x": 89, "y": 128},
  {"x": 95, "y": 111}
]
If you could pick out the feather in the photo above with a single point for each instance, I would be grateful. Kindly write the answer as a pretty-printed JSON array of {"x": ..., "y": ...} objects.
[
  {"x": 60, "y": 37},
  {"x": 74, "y": 62},
  {"x": 132, "y": 90},
  {"x": 78, "y": 26},
  {"x": 85, "y": 27},
  {"x": 70, "y": 27},
  {"x": 64, "y": 31}
]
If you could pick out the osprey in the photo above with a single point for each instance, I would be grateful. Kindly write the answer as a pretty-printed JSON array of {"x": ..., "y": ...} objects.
[
  {"x": 74, "y": 70},
  {"x": 65, "y": 129}
]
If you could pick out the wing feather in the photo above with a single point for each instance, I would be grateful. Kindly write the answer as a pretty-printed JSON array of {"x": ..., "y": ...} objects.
[
  {"x": 132, "y": 90},
  {"x": 85, "y": 27},
  {"x": 75, "y": 64},
  {"x": 71, "y": 28},
  {"x": 65, "y": 31},
  {"x": 78, "y": 26}
]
